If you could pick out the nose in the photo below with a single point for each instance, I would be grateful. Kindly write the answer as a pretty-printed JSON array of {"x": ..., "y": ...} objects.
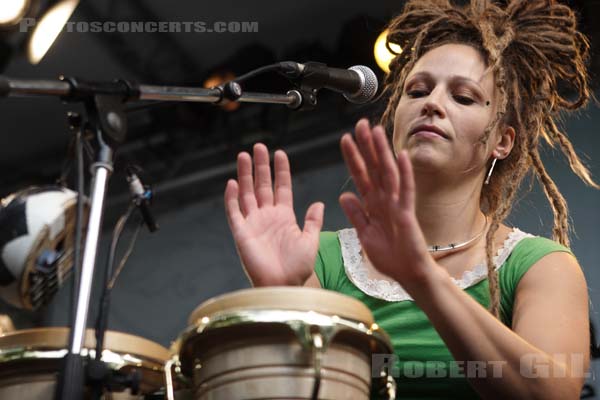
[{"x": 433, "y": 105}]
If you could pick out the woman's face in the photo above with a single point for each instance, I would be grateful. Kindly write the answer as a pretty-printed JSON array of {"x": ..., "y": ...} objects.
[{"x": 446, "y": 104}]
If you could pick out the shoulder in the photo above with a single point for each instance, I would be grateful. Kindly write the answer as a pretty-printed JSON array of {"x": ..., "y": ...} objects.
[
  {"x": 523, "y": 251},
  {"x": 552, "y": 270},
  {"x": 533, "y": 248},
  {"x": 527, "y": 251},
  {"x": 549, "y": 270}
]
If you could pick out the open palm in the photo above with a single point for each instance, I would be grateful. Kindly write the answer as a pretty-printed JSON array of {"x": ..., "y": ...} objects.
[
  {"x": 272, "y": 247},
  {"x": 384, "y": 214}
]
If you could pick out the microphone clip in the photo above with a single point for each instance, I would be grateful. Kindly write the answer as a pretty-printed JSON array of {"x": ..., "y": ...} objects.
[
  {"x": 310, "y": 76},
  {"x": 141, "y": 196}
]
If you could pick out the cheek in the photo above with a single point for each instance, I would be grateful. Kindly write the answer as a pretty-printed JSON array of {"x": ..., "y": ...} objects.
[
  {"x": 469, "y": 126},
  {"x": 469, "y": 130},
  {"x": 401, "y": 119}
]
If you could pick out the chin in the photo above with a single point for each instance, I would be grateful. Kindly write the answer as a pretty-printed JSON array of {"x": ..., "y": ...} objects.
[{"x": 426, "y": 158}]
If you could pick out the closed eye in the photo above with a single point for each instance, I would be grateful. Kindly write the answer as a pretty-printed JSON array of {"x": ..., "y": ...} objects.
[
  {"x": 417, "y": 93},
  {"x": 464, "y": 100}
]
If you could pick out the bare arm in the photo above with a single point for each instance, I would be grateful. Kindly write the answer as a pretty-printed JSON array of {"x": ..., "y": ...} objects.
[
  {"x": 546, "y": 355},
  {"x": 539, "y": 359}
]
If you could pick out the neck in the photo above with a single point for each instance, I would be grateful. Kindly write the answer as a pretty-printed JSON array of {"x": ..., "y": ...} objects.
[{"x": 448, "y": 212}]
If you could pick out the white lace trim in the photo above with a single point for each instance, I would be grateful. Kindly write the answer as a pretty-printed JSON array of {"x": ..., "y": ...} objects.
[{"x": 391, "y": 290}]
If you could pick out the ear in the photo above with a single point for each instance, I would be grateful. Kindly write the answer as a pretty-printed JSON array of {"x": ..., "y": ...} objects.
[{"x": 504, "y": 143}]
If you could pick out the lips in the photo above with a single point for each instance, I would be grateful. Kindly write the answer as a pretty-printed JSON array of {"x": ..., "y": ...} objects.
[{"x": 428, "y": 128}]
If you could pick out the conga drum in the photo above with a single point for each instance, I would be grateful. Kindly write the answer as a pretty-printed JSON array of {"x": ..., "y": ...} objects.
[
  {"x": 284, "y": 343},
  {"x": 30, "y": 362}
]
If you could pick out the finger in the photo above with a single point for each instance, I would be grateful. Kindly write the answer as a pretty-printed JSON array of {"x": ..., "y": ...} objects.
[
  {"x": 390, "y": 177},
  {"x": 313, "y": 221},
  {"x": 262, "y": 176},
  {"x": 364, "y": 139},
  {"x": 354, "y": 211},
  {"x": 407, "y": 181},
  {"x": 234, "y": 215},
  {"x": 356, "y": 165},
  {"x": 283, "y": 180},
  {"x": 246, "y": 184}
]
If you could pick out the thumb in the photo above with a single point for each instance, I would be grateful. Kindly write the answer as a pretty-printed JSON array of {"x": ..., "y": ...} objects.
[{"x": 313, "y": 221}]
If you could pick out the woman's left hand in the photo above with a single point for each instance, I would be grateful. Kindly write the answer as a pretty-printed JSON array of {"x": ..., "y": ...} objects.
[{"x": 384, "y": 215}]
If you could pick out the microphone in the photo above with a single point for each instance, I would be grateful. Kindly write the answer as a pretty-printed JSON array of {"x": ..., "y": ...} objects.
[
  {"x": 141, "y": 198},
  {"x": 358, "y": 83}
]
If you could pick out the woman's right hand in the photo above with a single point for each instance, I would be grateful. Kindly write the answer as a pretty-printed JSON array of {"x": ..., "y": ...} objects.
[{"x": 271, "y": 245}]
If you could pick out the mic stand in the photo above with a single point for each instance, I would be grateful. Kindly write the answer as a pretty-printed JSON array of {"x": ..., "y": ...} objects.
[
  {"x": 104, "y": 103},
  {"x": 107, "y": 119}
]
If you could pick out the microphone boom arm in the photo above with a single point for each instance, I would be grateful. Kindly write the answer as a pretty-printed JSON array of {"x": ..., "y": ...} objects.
[{"x": 71, "y": 89}]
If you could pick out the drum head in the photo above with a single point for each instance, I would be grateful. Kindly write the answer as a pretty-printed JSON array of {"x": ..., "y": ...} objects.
[{"x": 285, "y": 298}]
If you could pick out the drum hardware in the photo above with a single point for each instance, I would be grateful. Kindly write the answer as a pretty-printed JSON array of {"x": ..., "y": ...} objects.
[
  {"x": 99, "y": 375},
  {"x": 169, "y": 365},
  {"x": 317, "y": 358}
]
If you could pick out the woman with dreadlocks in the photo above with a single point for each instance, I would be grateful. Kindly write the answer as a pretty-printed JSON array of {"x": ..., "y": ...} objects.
[{"x": 471, "y": 97}]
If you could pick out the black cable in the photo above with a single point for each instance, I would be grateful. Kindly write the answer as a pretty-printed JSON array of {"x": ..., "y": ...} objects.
[
  {"x": 102, "y": 319},
  {"x": 125, "y": 257},
  {"x": 80, "y": 177},
  {"x": 98, "y": 369},
  {"x": 258, "y": 71}
]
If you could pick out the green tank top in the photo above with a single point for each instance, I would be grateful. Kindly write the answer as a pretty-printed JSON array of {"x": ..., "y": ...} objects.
[{"x": 422, "y": 364}]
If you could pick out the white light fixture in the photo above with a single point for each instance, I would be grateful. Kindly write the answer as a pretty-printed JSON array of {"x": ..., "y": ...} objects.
[
  {"x": 48, "y": 28},
  {"x": 12, "y": 11},
  {"x": 383, "y": 56}
]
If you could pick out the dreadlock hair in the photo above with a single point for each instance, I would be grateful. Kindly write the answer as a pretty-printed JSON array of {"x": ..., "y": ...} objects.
[{"x": 530, "y": 46}]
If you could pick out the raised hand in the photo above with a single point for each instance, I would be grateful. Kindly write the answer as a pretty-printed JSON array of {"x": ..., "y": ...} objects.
[
  {"x": 384, "y": 215},
  {"x": 271, "y": 245}
]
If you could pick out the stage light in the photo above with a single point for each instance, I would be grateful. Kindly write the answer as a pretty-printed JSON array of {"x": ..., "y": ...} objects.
[
  {"x": 383, "y": 56},
  {"x": 48, "y": 28},
  {"x": 12, "y": 11}
]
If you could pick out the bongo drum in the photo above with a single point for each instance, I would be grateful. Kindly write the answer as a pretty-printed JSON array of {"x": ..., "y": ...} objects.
[
  {"x": 281, "y": 342},
  {"x": 30, "y": 362}
]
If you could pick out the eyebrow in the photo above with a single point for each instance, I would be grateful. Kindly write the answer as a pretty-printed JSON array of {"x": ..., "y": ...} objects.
[{"x": 461, "y": 79}]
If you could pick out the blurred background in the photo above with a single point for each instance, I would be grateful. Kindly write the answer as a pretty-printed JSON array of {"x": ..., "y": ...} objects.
[{"x": 188, "y": 150}]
